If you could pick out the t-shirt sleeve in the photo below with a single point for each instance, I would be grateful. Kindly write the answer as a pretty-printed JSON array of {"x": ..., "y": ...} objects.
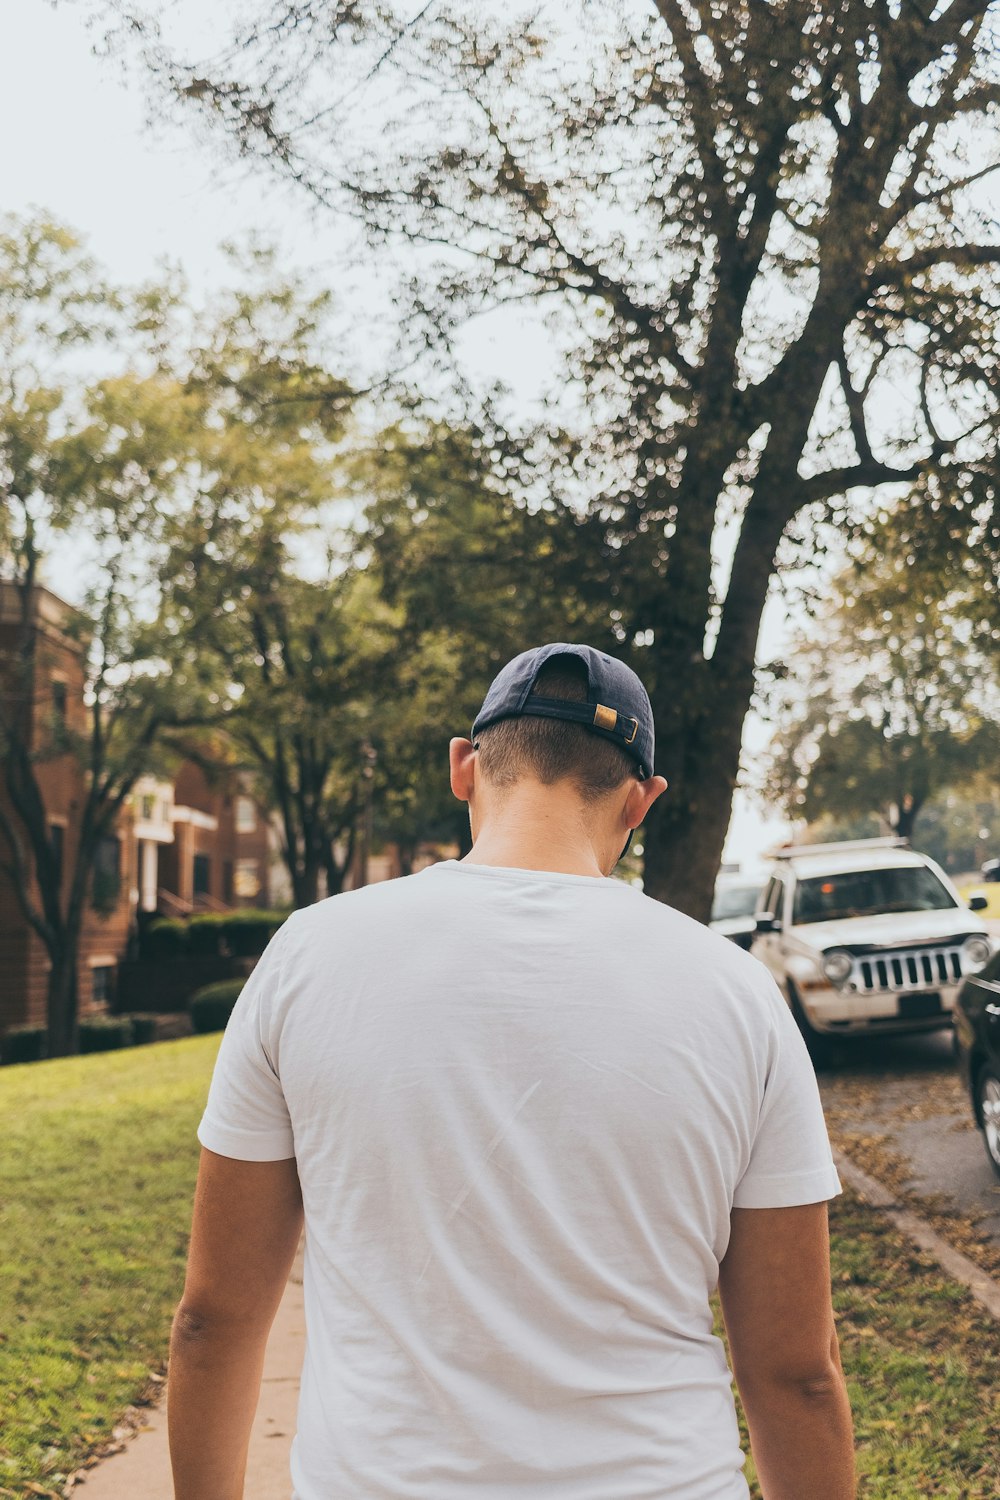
[
  {"x": 246, "y": 1116},
  {"x": 790, "y": 1159}
]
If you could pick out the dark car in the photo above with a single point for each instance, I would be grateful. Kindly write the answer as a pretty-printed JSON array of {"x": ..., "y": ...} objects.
[
  {"x": 734, "y": 908},
  {"x": 977, "y": 1041}
]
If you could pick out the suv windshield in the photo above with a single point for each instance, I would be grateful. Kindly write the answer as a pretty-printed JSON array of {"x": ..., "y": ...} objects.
[
  {"x": 869, "y": 893},
  {"x": 734, "y": 901}
]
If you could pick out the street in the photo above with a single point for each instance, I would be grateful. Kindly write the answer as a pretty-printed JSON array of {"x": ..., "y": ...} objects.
[{"x": 896, "y": 1105}]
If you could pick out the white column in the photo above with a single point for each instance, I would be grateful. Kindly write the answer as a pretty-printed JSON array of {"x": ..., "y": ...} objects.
[{"x": 149, "y": 870}]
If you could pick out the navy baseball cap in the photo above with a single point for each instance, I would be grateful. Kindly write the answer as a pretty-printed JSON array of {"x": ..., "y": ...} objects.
[{"x": 617, "y": 706}]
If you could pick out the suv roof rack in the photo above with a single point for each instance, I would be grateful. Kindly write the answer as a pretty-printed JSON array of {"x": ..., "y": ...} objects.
[{"x": 839, "y": 846}]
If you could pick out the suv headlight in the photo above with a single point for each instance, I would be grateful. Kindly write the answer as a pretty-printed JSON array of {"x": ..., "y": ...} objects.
[
  {"x": 976, "y": 953},
  {"x": 837, "y": 965}
]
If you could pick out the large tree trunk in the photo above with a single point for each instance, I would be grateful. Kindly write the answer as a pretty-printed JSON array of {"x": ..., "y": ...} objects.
[
  {"x": 686, "y": 830},
  {"x": 908, "y": 811},
  {"x": 305, "y": 882},
  {"x": 704, "y": 703},
  {"x": 61, "y": 1003}
]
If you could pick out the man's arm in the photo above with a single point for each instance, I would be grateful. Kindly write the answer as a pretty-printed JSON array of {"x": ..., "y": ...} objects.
[
  {"x": 775, "y": 1288},
  {"x": 247, "y": 1222}
]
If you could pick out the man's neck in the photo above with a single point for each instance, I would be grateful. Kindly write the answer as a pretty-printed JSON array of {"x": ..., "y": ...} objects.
[{"x": 538, "y": 829}]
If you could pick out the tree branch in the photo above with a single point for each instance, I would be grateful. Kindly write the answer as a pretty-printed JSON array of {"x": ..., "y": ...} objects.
[
  {"x": 700, "y": 92},
  {"x": 963, "y": 257},
  {"x": 855, "y": 410},
  {"x": 869, "y": 473},
  {"x": 17, "y": 873}
]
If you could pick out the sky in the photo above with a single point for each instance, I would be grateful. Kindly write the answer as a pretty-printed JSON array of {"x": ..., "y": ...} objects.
[{"x": 78, "y": 145}]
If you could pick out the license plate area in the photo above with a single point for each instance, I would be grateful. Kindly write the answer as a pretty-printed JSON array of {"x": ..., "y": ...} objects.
[{"x": 913, "y": 1007}]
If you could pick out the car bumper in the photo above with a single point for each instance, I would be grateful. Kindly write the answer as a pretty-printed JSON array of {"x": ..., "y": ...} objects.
[{"x": 846, "y": 1011}]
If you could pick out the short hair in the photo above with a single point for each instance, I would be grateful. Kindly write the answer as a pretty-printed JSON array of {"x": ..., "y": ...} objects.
[{"x": 555, "y": 749}]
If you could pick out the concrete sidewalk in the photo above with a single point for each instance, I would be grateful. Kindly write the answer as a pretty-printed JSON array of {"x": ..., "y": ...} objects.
[{"x": 142, "y": 1470}]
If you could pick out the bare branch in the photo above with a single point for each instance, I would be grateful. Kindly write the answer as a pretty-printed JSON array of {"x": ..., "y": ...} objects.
[
  {"x": 868, "y": 474},
  {"x": 962, "y": 257}
]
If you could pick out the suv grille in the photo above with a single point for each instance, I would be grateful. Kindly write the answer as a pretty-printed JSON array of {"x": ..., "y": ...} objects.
[{"x": 914, "y": 969}]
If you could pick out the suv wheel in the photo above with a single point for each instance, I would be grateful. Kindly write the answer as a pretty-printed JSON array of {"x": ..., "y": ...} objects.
[
  {"x": 988, "y": 1109},
  {"x": 818, "y": 1044}
]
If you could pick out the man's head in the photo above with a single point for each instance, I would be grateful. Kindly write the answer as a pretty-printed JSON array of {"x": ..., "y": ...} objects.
[{"x": 562, "y": 748}]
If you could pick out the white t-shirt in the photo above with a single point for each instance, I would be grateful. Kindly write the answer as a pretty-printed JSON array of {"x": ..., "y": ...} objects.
[{"x": 522, "y": 1106}]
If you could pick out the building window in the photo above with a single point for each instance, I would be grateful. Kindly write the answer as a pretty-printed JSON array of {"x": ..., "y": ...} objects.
[
  {"x": 148, "y": 808},
  {"x": 102, "y": 984},
  {"x": 246, "y": 879},
  {"x": 57, "y": 839},
  {"x": 246, "y": 815},
  {"x": 59, "y": 691},
  {"x": 202, "y": 874},
  {"x": 107, "y": 878}
]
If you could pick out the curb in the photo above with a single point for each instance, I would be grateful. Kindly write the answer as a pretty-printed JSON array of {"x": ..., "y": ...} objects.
[{"x": 981, "y": 1286}]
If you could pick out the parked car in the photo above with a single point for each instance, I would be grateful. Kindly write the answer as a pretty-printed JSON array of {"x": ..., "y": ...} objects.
[
  {"x": 866, "y": 937},
  {"x": 977, "y": 1043},
  {"x": 734, "y": 908},
  {"x": 991, "y": 870}
]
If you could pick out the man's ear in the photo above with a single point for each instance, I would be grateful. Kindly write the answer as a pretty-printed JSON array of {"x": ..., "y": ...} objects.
[
  {"x": 640, "y": 799},
  {"x": 462, "y": 759}
]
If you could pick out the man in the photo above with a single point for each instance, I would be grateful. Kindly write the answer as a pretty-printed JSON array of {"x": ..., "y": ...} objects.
[{"x": 534, "y": 1117}]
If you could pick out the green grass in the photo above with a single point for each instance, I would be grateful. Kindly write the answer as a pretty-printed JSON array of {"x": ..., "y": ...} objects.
[
  {"x": 920, "y": 1357},
  {"x": 96, "y": 1176}
]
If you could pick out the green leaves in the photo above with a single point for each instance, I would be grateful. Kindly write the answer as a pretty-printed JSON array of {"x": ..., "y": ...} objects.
[{"x": 893, "y": 701}]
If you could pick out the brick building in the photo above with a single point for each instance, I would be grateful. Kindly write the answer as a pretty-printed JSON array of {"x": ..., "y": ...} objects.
[
  {"x": 55, "y": 697},
  {"x": 182, "y": 845},
  {"x": 203, "y": 843}
]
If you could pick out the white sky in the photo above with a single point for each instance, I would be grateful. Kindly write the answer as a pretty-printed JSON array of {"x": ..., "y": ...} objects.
[{"x": 77, "y": 145}]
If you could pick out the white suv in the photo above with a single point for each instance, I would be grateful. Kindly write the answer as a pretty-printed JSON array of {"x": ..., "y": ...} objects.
[{"x": 866, "y": 937}]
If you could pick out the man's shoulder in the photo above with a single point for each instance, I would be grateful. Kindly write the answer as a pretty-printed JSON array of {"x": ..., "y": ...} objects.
[
  {"x": 690, "y": 942},
  {"x": 356, "y": 905}
]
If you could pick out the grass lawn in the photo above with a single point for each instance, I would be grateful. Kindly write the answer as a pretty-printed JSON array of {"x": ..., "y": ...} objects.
[
  {"x": 97, "y": 1169},
  {"x": 95, "y": 1186},
  {"x": 921, "y": 1358}
]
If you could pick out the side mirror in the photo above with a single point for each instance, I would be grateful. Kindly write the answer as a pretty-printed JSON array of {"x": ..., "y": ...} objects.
[
  {"x": 766, "y": 921},
  {"x": 978, "y": 903}
]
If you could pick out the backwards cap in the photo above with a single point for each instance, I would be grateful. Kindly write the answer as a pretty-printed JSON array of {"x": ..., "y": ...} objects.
[{"x": 617, "y": 706}]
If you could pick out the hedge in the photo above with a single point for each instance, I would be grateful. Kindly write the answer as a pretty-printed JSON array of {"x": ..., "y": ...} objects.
[
  {"x": 212, "y": 1006},
  {"x": 24, "y": 1044},
  {"x": 143, "y": 1029},
  {"x": 105, "y": 1033},
  {"x": 244, "y": 933}
]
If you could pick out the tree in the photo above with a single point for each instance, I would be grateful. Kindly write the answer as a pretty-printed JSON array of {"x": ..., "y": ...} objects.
[
  {"x": 456, "y": 554},
  {"x": 260, "y": 600},
  {"x": 759, "y": 233},
  {"x": 889, "y": 704},
  {"x": 110, "y": 459}
]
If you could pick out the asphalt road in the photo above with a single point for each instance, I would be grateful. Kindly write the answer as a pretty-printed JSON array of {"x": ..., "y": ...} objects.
[{"x": 905, "y": 1092}]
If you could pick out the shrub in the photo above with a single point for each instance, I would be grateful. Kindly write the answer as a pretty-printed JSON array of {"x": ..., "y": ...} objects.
[
  {"x": 243, "y": 934},
  {"x": 105, "y": 1033},
  {"x": 248, "y": 932},
  {"x": 143, "y": 1029},
  {"x": 212, "y": 1006},
  {"x": 24, "y": 1044},
  {"x": 165, "y": 938},
  {"x": 205, "y": 933}
]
